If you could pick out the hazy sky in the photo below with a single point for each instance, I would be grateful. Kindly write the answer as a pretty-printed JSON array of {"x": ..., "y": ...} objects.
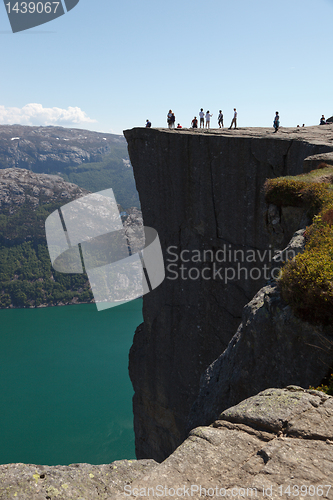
[{"x": 109, "y": 65}]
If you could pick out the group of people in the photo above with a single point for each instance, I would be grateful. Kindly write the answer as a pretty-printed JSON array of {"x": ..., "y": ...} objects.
[
  {"x": 207, "y": 116},
  {"x": 171, "y": 120}
]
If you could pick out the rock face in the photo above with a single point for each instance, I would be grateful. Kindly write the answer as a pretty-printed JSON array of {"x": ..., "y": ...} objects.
[
  {"x": 19, "y": 186},
  {"x": 277, "y": 440},
  {"x": 202, "y": 191},
  {"x": 313, "y": 162},
  {"x": 271, "y": 344}
]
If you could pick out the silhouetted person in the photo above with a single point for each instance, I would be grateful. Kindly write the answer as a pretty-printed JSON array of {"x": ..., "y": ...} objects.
[
  {"x": 220, "y": 119},
  {"x": 169, "y": 115},
  {"x": 194, "y": 122},
  {"x": 234, "y": 120},
  {"x": 276, "y": 122},
  {"x": 208, "y": 117},
  {"x": 148, "y": 124},
  {"x": 202, "y": 118}
]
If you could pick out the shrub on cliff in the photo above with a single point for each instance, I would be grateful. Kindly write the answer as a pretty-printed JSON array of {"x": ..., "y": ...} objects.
[
  {"x": 311, "y": 191},
  {"x": 326, "y": 386},
  {"x": 306, "y": 282}
]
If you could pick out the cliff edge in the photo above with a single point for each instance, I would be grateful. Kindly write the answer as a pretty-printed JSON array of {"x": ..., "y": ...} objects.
[{"x": 274, "y": 445}]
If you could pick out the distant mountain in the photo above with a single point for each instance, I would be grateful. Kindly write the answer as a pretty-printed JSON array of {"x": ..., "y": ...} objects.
[
  {"x": 27, "y": 278},
  {"x": 92, "y": 160}
]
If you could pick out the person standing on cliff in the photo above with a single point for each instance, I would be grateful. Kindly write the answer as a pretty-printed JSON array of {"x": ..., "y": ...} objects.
[
  {"x": 202, "y": 118},
  {"x": 169, "y": 115},
  {"x": 234, "y": 120},
  {"x": 208, "y": 117},
  {"x": 220, "y": 119},
  {"x": 276, "y": 122}
]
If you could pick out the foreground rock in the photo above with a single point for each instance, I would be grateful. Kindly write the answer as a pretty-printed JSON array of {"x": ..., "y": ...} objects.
[
  {"x": 75, "y": 482},
  {"x": 274, "y": 445},
  {"x": 202, "y": 191}
]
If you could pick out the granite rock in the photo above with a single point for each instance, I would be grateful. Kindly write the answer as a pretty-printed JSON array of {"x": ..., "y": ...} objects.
[
  {"x": 73, "y": 482},
  {"x": 252, "y": 451},
  {"x": 313, "y": 162},
  {"x": 271, "y": 344},
  {"x": 270, "y": 445}
]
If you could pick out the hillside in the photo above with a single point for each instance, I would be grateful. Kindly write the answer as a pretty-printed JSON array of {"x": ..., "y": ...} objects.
[
  {"x": 92, "y": 160},
  {"x": 26, "y": 276}
]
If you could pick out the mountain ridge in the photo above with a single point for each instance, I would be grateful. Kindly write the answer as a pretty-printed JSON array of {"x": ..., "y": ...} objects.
[{"x": 92, "y": 160}]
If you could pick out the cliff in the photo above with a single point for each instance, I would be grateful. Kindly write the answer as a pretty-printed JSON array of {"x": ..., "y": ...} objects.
[
  {"x": 202, "y": 191},
  {"x": 271, "y": 346}
]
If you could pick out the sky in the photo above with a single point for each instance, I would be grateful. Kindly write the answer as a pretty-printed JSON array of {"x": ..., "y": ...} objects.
[{"x": 109, "y": 65}]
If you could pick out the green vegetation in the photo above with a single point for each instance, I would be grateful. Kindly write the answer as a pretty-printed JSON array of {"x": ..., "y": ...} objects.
[
  {"x": 326, "y": 386},
  {"x": 26, "y": 276},
  {"x": 311, "y": 191},
  {"x": 306, "y": 282},
  {"x": 110, "y": 172}
]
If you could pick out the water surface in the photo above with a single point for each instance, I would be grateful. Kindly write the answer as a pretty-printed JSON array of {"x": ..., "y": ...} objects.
[{"x": 65, "y": 392}]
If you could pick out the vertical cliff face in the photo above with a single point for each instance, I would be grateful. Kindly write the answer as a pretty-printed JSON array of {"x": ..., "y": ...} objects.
[{"x": 202, "y": 192}]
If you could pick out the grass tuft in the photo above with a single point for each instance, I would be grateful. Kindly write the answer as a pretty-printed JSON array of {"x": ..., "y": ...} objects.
[{"x": 306, "y": 282}]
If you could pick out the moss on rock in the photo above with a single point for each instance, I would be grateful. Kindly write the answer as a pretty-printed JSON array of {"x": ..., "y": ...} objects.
[{"x": 306, "y": 281}]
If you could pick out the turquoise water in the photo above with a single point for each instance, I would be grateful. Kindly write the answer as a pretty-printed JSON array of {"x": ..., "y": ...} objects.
[{"x": 65, "y": 392}]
